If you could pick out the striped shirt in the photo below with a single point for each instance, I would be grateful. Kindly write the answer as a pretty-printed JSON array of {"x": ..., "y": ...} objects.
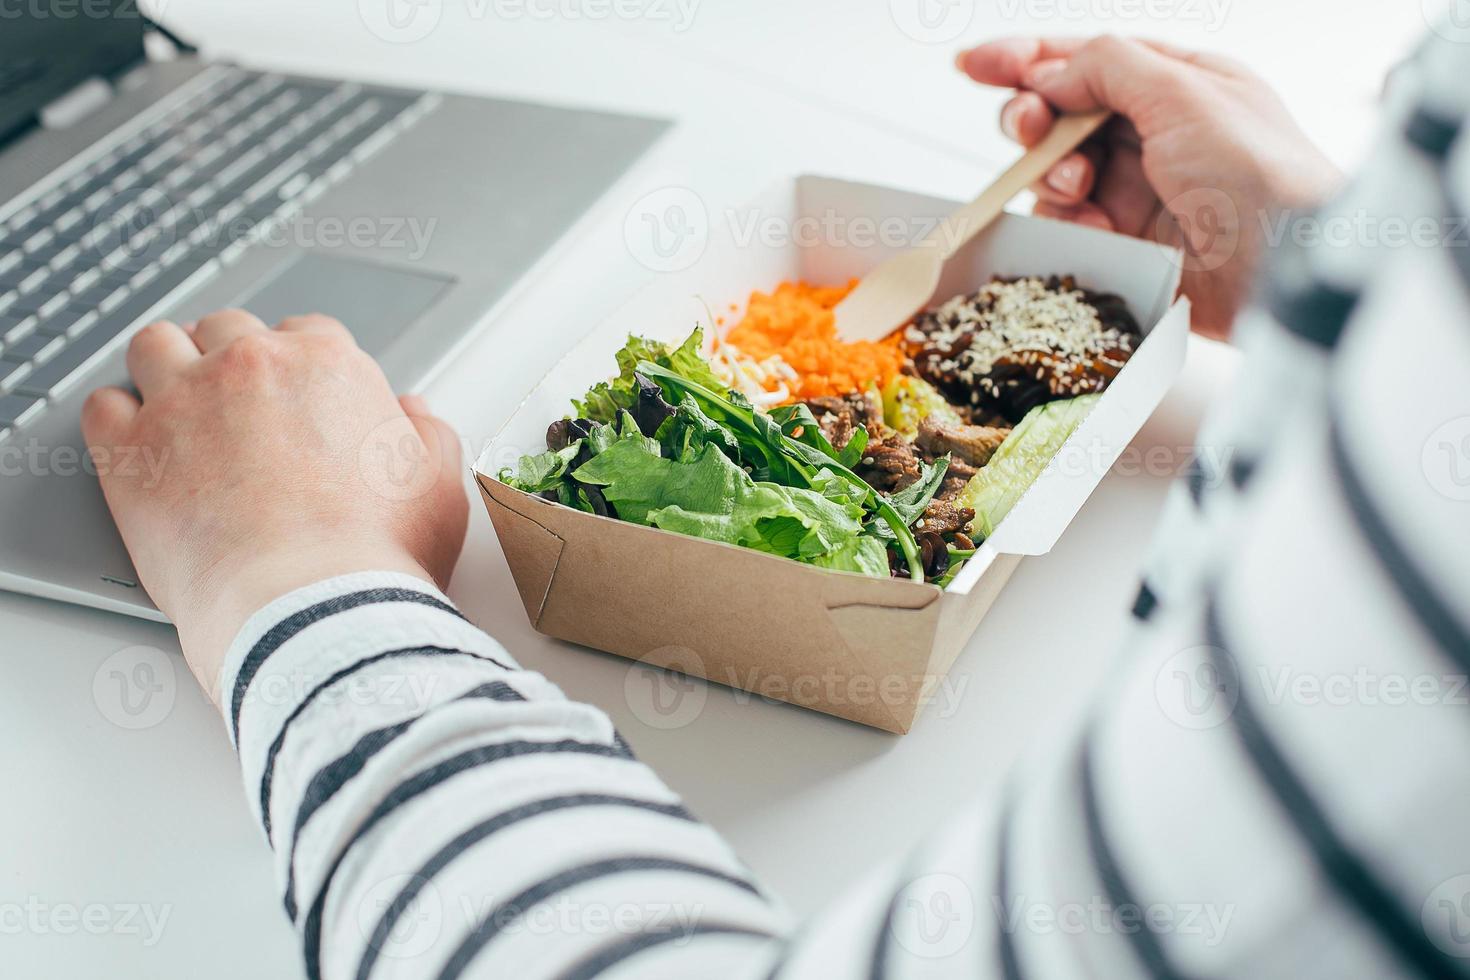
[{"x": 1265, "y": 790}]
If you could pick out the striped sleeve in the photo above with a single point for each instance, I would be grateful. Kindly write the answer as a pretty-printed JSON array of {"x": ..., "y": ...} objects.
[{"x": 437, "y": 811}]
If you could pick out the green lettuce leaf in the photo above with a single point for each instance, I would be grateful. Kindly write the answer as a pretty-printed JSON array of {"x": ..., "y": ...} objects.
[
  {"x": 607, "y": 398},
  {"x": 545, "y": 471},
  {"x": 687, "y": 361},
  {"x": 865, "y": 555},
  {"x": 684, "y": 434},
  {"x": 709, "y": 496}
]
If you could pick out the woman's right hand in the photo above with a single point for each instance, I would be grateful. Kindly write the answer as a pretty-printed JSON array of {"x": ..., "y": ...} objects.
[{"x": 1203, "y": 154}]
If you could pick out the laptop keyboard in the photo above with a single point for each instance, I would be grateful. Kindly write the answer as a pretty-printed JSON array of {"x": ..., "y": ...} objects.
[{"x": 171, "y": 203}]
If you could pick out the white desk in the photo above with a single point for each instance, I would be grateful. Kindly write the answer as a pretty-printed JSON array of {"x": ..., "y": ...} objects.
[{"x": 95, "y": 814}]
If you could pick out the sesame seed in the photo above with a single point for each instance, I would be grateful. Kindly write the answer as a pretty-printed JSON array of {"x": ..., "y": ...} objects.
[{"x": 1024, "y": 320}]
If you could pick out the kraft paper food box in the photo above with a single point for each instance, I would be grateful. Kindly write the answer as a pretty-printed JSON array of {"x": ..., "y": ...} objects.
[{"x": 861, "y": 648}]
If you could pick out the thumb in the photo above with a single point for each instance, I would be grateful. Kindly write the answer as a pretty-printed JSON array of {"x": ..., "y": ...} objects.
[
  {"x": 451, "y": 509},
  {"x": 438, "y": 435},
  {"x": 1129, "y": 77}
]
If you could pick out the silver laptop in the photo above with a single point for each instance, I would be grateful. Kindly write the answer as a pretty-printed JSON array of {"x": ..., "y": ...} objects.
[{"x": 134, "y": 189}]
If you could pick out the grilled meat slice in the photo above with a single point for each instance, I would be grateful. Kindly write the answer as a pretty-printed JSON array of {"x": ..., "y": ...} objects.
[
  {"x": 943, "y": 517},
  {"x": 974, "y": 444},
  {"x": 838, "y": 417},
  {"x": 837, "y": 421},
  {"x": 890, "y": 464}
]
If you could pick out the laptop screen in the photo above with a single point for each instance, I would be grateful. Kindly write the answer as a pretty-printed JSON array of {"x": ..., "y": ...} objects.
[{"x": 48, "y": 47}]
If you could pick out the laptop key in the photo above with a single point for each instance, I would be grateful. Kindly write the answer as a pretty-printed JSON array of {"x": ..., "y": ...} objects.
[
  {"x": 69, "y": 323},
  {"x": 11, "y": 374},
  {"x": 18, "y": 328},
  {"x": 17, "y": 299},
  {"x": 43, "y": 303},
  {"x": 53, "y": 378},
  {"x": 34, "y": 346},
  {"x": 18, "y": 409},
  {"x": 34, "y": 280}
]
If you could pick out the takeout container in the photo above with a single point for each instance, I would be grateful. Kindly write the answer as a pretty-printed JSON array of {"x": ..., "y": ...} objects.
[{"x": 869, "y": 650}]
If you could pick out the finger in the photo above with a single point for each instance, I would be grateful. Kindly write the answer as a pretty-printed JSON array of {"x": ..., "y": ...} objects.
[
  {"x": 414, "y": 406},
  {"x": 106, "y": 414},
  {"x": 437, "y": 434},
  {"x": 1004, "y": 63},
  {"x": 1086, "y": 213},
  {"x": 219, "y": 329},
  {"x": 1125, "y": 193},
  {"x": 1069, "y": 182},
  {"x": 1122, "y": 75},
  {"x": 157, "y": 354},
  {"x": 452, "y": 506},
  {"x": 1026, "y": 118},
  {"x": 314, "y": 323}
]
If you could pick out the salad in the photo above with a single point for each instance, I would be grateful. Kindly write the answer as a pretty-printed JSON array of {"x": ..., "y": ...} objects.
[{"x": 888, "y": 459}]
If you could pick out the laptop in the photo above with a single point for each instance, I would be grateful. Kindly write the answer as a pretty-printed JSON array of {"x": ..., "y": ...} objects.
[{"x": 136, "y": 188}]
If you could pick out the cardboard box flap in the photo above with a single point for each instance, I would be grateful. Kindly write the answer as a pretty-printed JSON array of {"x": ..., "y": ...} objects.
[{"x": 537, "y": 548}]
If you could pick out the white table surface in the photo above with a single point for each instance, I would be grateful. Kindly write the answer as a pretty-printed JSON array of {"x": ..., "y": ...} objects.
[{"x": 153, "y": 820}]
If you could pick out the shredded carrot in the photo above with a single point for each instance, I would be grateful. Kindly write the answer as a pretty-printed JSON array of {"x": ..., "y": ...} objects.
[{"x": 796, "y": 323}]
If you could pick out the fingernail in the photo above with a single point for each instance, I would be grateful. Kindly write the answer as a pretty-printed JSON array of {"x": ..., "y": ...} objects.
[
  {"x": 1066, "y": 178},
  {"x": 1044, "y": 72},
  {"x": 959, "y": 60},
  {"x": 1009, "y": 122}
]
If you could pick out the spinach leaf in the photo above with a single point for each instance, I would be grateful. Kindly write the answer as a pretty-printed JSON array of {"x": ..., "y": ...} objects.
[
  {"x": 784, "y": 460},
  {"x": 911, "y": 501}
]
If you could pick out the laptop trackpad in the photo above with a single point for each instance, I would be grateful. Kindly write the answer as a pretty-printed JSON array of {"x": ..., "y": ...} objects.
[{"x": 377, "y": 302}]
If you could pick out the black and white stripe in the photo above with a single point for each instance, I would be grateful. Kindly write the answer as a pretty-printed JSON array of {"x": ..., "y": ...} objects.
[{"x": 315, "y": 613}]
